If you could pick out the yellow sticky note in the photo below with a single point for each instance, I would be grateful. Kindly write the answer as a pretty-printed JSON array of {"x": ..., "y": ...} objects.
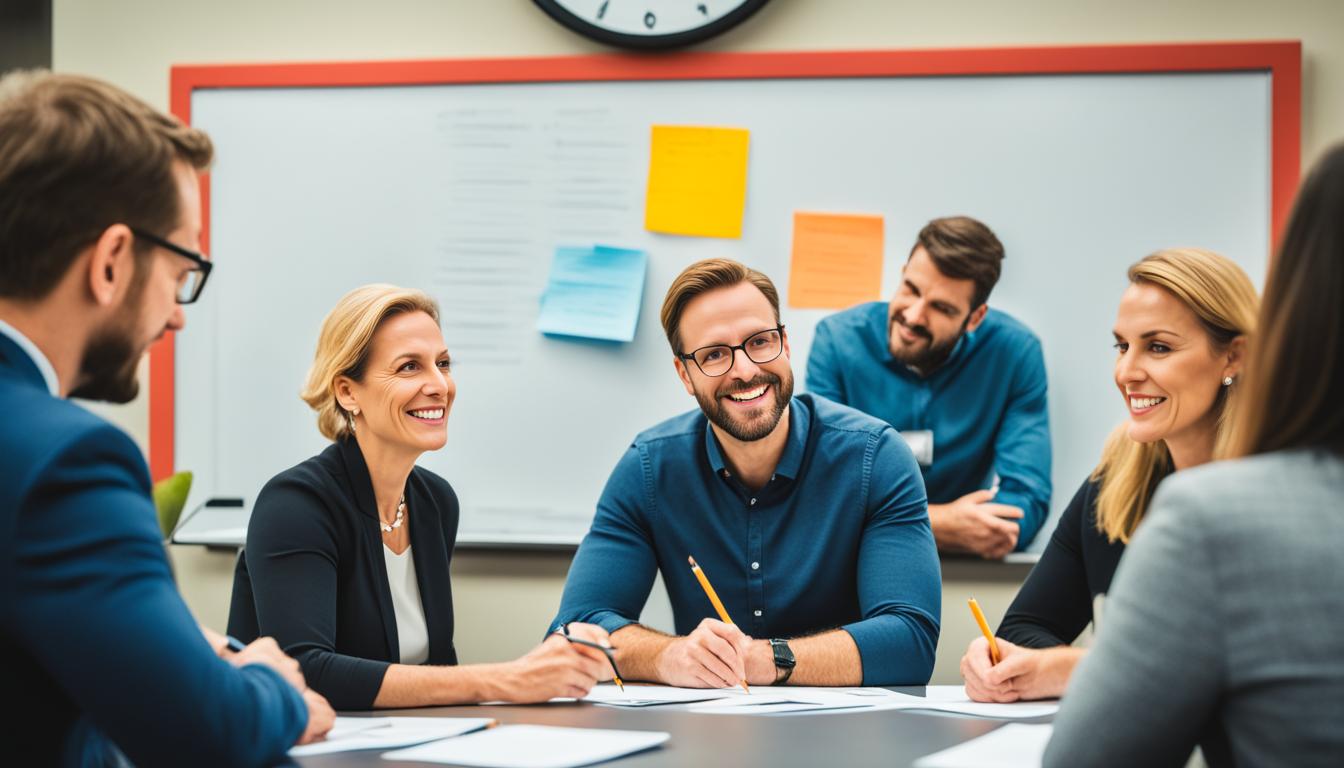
[
  {"x": 837, "y": 260},
  {"x": 697, "y": 181}
]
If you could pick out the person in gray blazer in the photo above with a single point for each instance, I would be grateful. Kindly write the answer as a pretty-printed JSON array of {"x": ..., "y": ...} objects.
[{"x": 1225, "y": 622}]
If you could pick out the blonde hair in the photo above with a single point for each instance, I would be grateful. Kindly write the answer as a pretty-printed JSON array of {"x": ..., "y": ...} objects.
[
  {"x": 1223, "y": 298},
  {"x": 344, "y": 343}
]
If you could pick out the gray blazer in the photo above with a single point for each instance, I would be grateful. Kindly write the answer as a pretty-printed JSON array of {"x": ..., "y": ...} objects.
[{"x": 1224, "y": 625}]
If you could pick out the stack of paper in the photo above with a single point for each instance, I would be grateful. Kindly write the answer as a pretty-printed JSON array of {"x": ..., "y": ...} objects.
[
  {"x": 533, "y": 746},
  {"x": 765, "y": 701},
  {"x": 353, "y": 733},
  {"x": 1012, "y": 746}
]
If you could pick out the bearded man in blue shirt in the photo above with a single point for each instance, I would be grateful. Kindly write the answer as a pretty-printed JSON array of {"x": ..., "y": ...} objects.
[
  {"x": 808, "y": 517},
  {"x": 964, "y": 384}
]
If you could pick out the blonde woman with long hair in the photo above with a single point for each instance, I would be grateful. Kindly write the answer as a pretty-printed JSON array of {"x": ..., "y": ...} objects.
[{"x": 1180, "y": 336}]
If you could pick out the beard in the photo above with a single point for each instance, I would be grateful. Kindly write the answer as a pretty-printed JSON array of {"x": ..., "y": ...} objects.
[
  {"x": 933, "y": 355},
  {"x": 760, "y": 422},
  {"x": 109, "y": 367}
]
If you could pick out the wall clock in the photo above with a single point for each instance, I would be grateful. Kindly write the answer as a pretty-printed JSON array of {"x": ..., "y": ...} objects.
[{"x": 650, "y": 24}]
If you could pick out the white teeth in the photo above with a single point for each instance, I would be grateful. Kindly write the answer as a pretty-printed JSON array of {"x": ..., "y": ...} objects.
[
  {"x": 1139, "y": 403},
  {"x": 749, "y": 395},
  {"x": 429, "y": 413}
]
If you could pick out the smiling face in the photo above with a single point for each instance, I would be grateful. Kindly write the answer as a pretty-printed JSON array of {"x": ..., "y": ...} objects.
[
  {"x": 929, "y": 313},
  {"x": 1167, "y": 369},
  {"x": 748, "y": 401},
  {"x": 407, "y": 390}
]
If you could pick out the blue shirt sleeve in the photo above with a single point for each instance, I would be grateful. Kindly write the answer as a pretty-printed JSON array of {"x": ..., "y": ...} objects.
[
  {"x": 96, "y": 606},
  {"x": 613, "y": 571},
  {"x": 823, "y": 369},
  {"x": 1022, "y": 447},
  {"x": 900, "y": 584}
]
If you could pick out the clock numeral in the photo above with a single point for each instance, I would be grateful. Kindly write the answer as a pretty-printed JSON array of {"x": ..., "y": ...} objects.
[
  {"x": 702, "y": 9},
  {"x": 603, "y": 10},
  {"x": 650, "y": 19}
]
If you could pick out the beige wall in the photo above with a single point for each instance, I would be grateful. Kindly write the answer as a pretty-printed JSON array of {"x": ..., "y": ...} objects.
[{"x": 504, "y": 599}]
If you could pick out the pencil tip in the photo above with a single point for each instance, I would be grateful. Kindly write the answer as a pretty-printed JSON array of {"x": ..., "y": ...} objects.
[{"x": 691, "y": 560}]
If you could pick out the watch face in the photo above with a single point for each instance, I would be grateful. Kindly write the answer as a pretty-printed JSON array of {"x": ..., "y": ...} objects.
[{"x": 649, "y": 23}]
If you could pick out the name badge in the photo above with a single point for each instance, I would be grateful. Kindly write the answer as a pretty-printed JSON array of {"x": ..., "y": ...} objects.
[{"x": 921, "y": 444}]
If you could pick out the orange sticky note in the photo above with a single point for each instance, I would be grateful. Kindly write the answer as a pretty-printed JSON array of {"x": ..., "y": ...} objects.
[
  {"x": 837, "y": 260},
  {"x": 697, "y": 181}
]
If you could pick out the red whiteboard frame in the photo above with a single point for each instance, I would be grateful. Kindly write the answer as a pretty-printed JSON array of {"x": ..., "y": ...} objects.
[{"x": 1282, "y": 59}]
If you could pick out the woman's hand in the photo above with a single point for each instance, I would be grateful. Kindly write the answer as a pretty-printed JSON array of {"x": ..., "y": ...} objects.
[
  {"x": 321, "y": 717},
  {"x": 556, "y": 668},
  {"x": 1021, "y": 674}
]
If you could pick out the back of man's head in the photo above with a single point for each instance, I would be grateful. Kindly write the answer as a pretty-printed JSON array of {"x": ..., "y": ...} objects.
[
  {"x": 962, "y": 248},
  {"x": 78, "y": 155}
]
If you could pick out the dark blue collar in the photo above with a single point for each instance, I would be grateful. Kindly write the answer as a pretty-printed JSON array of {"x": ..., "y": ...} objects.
[{"x": 795, "y": 448}]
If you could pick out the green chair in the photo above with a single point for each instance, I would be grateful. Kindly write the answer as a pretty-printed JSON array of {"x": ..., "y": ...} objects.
[{"x": 170, "y": 496}]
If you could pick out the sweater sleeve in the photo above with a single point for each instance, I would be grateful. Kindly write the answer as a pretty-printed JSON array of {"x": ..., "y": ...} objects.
[
  {"x": 1145, "y": 692},
  {"x": 1054, "y": 605},
  {"x": 292, "y": 556}
]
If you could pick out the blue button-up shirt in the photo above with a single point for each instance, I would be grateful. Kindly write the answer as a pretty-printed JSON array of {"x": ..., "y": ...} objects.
[
  {"x": 839, "y": 537},
  {"x": 985, "y": 405}
]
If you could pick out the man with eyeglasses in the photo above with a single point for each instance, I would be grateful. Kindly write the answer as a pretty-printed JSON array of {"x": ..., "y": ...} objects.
[
  {"x": 99, "y": 213},
  {"x": 808, "y": 518}
]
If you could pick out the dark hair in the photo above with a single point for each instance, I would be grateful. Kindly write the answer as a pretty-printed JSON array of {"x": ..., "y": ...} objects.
[
  {"x": 964, "y": 249},
  {"x": 78, "y": 155},
  {"x": 702, "y": 277},
  {"x": 1295, "y": 369}
]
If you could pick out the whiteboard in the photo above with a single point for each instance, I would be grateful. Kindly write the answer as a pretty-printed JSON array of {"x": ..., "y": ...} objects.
[{"x": 465, "y": 191}]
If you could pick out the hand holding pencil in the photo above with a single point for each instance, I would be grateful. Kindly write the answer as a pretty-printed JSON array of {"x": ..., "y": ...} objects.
[{"x": 714, "y": 655}]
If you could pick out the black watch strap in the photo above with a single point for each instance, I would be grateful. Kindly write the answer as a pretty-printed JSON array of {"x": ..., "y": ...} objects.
[{"x": 784, "y": 661}]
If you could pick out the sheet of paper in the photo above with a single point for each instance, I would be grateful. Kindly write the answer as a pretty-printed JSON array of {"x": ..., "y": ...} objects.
[
  {"x": 837, "y": 260},
  {"x": 697, "y": 181},
  {"x": 533, "y": 746},
  {"x": 594, "y": 293},
  {"x": 650, "y": 695},
  {"x": 953, "y": 699},
  {"x": 1015, "y": 745},
  {"x": 354, "y": 733}
]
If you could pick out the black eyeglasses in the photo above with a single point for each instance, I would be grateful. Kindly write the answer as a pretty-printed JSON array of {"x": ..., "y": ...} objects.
[
  {"x": 760, "y": 348},
  {"x": 190, "y": 285}
]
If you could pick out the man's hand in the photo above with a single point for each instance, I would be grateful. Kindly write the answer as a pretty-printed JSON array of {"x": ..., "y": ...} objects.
[
  {"x": 321, "y": 717},
  {"x": 712, "y": 656},
  {"x": 266, "y": 652},
  {"x": 972, "y": 524}
]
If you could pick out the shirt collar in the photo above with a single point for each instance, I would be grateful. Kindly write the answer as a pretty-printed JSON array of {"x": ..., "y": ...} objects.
[
  {"x": 795, "y": 447},
  {"x": 40, "y": 360}
]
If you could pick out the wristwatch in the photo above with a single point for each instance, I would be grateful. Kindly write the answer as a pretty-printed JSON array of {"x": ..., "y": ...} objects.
[{"x": 784, "y": 661}]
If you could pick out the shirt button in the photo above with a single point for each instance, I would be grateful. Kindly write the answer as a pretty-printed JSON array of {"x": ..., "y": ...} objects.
[
  {"x": 725, "y": 473},
  {"x": 755, "y": 566},
  {"x": 758, "y": 613},
  {"x": 772, "y": 478},
  {"x": 753, "y": 502}
]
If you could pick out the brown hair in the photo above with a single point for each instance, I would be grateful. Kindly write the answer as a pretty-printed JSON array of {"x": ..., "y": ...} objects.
[
  {"x": 78, "y": 155},
  {"x": 702, "y": 277},
  {"x": 1296, "y": 364},
  {"x": 1223, "y": 298},
  {"x": 344, "y": 344},
  {"x": 964, "y": 249}
]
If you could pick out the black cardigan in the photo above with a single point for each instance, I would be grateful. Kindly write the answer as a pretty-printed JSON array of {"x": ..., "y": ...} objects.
[
  {"x": 1055, "y": 604},
  {"x": 313, "y": 575}
]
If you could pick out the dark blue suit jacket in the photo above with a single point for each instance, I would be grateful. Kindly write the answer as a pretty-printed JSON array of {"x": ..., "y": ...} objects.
[{"x": 95, "y": 642}]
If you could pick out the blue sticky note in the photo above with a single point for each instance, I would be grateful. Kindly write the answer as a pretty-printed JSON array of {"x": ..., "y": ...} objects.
[{"x": 594, "y": 293}]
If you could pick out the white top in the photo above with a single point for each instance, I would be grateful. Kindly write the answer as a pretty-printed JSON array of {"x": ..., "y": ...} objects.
[
  {"x": 39, "y": 359},
  {"x": 412, "y": 634}
]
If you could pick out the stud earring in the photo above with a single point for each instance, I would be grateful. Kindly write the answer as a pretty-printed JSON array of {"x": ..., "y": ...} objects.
[{"x": 1227, "y": 381}]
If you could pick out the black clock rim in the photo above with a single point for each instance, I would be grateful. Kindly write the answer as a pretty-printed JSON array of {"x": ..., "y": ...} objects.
[{"x": 649, "y": 42}]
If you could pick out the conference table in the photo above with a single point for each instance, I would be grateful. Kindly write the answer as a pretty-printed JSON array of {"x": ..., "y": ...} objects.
[{"x": 885, "y": 738}]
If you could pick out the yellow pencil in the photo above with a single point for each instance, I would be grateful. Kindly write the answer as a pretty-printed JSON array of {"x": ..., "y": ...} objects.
[
  {"x": 713, "y": 598},
  {"x": 984, "y": 627}
]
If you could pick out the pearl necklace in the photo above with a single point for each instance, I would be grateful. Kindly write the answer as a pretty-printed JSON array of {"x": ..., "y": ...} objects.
[{"x": 401, "y": 514}]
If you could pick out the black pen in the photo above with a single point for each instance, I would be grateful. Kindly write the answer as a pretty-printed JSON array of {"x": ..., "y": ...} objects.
[{"x": 605, "y": 649}]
